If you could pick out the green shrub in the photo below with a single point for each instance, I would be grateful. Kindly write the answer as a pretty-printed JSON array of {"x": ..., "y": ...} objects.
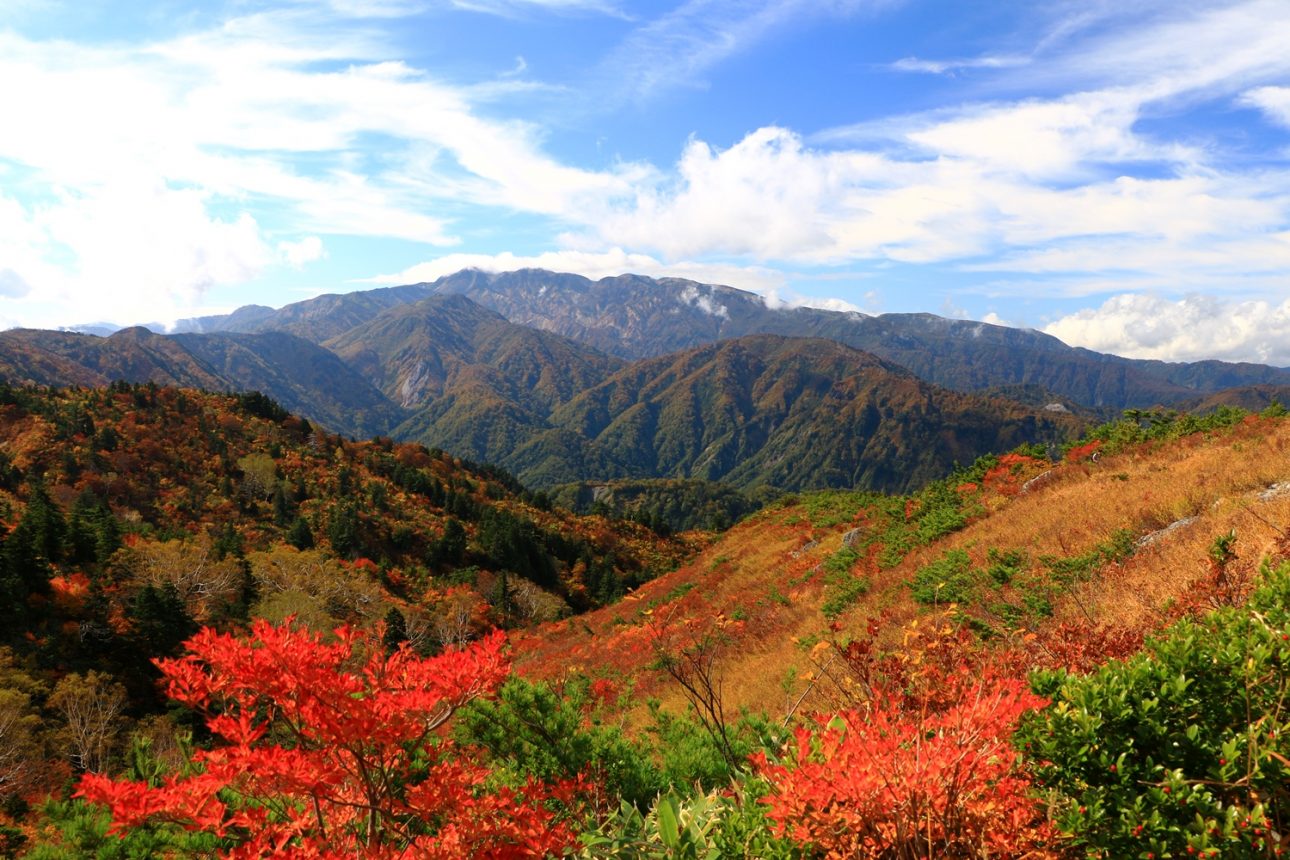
[
  {"x": 703, "y": 827},
  {"x": 840, "y": 595},
  {"x": 828, "y": 508},
  {"x": 78, "y": 830},
  {"x": 949, "y": 579},
  {"x": 841, "y": 587},
  {"x": 531, "y": 730},
  {"x": 1067, "y": 571},
  {"x": 1139, "y": 425},
  {"x": 689, "y": 756},
  {"x": 1182, "y": 749}
]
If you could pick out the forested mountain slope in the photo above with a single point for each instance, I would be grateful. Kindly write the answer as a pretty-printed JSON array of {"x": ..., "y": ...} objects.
[
  {"x": 794, "y": 413},
  {"x": 297, "y": 373}
]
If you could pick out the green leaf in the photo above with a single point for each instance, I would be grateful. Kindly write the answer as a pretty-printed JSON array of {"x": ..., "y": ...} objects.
[{"x": 669, "y": 829}]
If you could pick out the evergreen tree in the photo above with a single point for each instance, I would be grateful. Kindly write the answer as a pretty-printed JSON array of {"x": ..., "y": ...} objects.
[
  {"x": 300, "y": 535},
  {"x": 13, "y": 584},
  {"x": 396, "y": 629},
  {"x": 282, "y": 508},
  {"x": 450, "y": 549},
  {"x": 10, "y": 476},
  {"x": 343, "y": 531},
  {"x": 161, "y": 620},
  {"x": 92, "y": 531},
  {"x": 248, "y": 591},
  {"x": 503, "y": 599},
  {"x": 44, "y": 523},
  {"x": 227, "y": 541}
]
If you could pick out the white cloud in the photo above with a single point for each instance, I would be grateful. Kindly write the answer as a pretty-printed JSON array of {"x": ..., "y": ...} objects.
[
  {"x": 1063, "y": 184},
  {"x": 267, "y": 113},
  {"x": 794, "y": 300},
  {"x": 1195, "y": 327},
  {"x": 299, "y": 254},
  {"x": 772, "y": 197},
  {"x": 1044, "y": 139},
  {"x": 766, "y": 197},
  {"x": 123, "y": 252},
  {"x": 1205, "y": 48},
  {"x": 1273, "y": 101},
  {"x": 703, "y": 301},
  {"x": 376, "y": 8},
  {"x": 941, "y": 67}
]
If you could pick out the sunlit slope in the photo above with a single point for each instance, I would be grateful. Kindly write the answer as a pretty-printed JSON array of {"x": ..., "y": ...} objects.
[{"x": 1122, "y": 539}]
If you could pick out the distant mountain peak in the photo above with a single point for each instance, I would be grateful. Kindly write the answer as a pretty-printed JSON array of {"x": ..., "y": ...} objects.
[{"x": 634, "y": 316}]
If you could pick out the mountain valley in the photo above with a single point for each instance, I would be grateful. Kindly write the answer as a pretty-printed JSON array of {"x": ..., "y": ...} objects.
[{"x": 763, "y": 592}]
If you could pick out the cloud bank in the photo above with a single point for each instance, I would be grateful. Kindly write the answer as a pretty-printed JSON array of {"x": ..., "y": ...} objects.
[{"x": 1188, "y": 329}]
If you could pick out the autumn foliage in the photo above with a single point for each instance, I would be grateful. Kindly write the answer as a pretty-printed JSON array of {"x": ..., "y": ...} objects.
[
  {"x": 920, "y": 765},
  {"x": 329, "y": 749}
]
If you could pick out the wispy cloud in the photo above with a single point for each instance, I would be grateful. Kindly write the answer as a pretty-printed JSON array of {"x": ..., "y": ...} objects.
[
  {"x": 503, "y": 8},
  {"x": 377, "y": 8},
  {"x": 941, "y": 67},
  {"x": 679, "y": 48},
  {"x": 1170, "y": 50},
  {"x": 150, "y": 160},
  {"x": 513, "y": 7}
]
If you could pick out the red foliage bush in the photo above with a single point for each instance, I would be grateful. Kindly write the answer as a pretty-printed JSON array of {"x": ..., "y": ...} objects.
[
  {"x": 327, "y": 749},
  {"x": 918, "y": 763},
  {"x": 1083, "y": 452},
  {"x": 884, "y": 783}
]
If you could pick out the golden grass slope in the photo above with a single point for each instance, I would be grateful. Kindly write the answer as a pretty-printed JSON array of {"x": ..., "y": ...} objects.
[{"x": 762, "y": 584}]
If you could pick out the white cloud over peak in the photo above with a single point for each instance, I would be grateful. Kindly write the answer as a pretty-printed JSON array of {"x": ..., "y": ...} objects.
[
  {"x": 770, "y": 284},
  {"x": 1189, "y": 329}
]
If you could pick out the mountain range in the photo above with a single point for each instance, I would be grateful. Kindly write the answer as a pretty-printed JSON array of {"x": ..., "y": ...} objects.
[
  {"x": 559, "y": 378},
  {"x": 633, "y": 317}
]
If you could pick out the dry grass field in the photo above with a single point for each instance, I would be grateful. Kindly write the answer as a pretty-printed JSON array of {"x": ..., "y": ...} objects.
[{"x": 759, "y": 589}]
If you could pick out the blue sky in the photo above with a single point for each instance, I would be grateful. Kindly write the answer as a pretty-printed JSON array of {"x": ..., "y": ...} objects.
[{"x": 1115, "y": 173}]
